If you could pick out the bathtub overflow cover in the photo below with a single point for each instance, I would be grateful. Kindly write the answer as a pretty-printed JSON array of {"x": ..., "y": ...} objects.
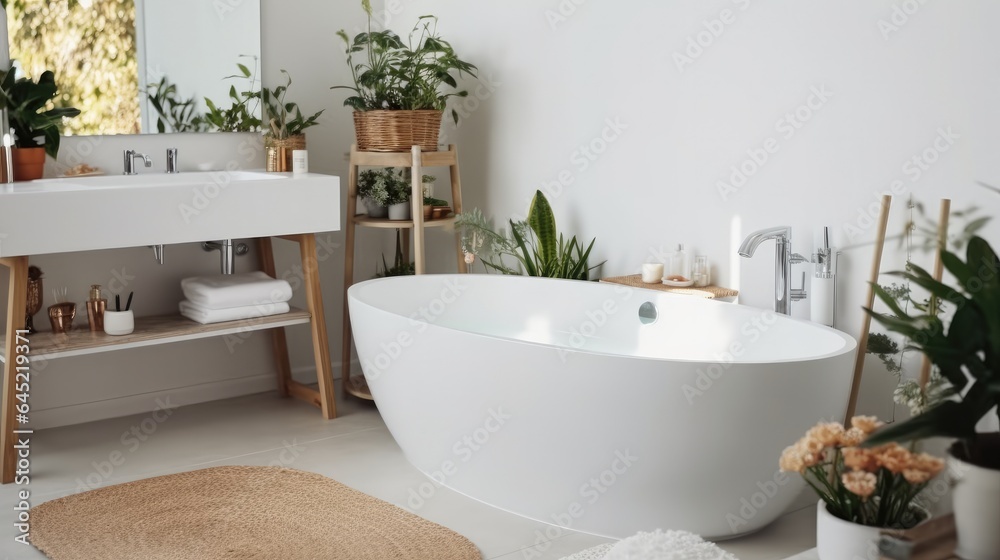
[{"x": 647, "y": 313}]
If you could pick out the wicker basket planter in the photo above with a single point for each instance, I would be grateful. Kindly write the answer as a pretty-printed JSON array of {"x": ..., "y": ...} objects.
[
  {"x": 397, "y": 131},
  {"x": 278, "y": 152}
]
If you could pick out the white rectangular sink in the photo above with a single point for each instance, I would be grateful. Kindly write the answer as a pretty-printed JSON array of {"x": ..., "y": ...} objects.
[
  {"x": 106, "y": 212},
  {"x": 146, "y": 180}
]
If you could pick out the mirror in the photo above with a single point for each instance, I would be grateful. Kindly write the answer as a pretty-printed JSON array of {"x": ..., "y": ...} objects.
[{"x": 144, "y": 66}]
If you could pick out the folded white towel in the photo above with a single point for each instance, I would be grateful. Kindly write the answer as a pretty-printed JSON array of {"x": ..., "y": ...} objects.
[
  {"x": 235, "y": 290},
  {"x": 205, "y": 315},
  {"x": 658, "y": 545}
]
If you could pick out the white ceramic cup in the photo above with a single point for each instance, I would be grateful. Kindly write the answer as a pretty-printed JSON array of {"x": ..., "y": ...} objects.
[{"x": 119, "y": 322}]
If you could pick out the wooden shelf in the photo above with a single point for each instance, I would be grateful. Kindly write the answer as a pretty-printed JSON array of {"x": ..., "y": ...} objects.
[
  {"x": 404, "y": 159},
  {"x": 358, "y": 386},
  {"x": 150, "y": 331},
  {"x": 364, "y": 220}
]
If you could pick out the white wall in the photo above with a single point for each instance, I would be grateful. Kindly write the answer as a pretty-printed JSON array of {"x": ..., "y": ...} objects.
[
  {"x": 559, "y": 74},
  {"x": 297, "y": 35}
]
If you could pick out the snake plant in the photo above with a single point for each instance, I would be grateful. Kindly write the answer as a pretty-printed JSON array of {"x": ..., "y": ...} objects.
[{"x": 536, "y": 244}]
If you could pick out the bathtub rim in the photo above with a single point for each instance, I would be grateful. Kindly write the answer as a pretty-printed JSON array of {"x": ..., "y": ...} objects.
[{"x": 850, "y": 343}]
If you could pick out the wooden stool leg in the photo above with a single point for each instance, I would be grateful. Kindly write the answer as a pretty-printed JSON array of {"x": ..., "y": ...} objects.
[
  {"x": 352, "y": 205},
  {"x": 17, "y": 296},
  {"x": 279, "y": 344},
  {"x": 314, "y": 299}
]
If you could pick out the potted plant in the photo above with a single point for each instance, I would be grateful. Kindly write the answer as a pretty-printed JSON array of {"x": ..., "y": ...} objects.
[
  {"x": 36, "y": 129},
  {"x": 374, "y": 187},
  {"x": 399, "y": 95},
  {"x": 285, "y": 130},
  {"x": 535, "y": 244},
  {"x": 966, "y": 352},
  {"x": 861, "y": 490},
  {"x": 399, "y": 197},
  {"x": 430, "y": 203}
]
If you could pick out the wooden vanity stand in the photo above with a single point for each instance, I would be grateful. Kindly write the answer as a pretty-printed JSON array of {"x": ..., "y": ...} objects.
[{"x": 159, "y": 330}]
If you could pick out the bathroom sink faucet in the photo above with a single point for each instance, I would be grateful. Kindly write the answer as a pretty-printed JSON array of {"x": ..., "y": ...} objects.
[
  {"x": 130, "y": 157},
  {"x": 172, "y": 160},
  {"x": 783, "y": 260}
]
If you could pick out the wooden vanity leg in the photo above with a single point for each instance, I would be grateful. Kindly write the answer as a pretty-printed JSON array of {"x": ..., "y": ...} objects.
[
  {"x": 456, "y": 199},
  {"x": 279, "y": 343},
  {"x": 16, "y": 300},
  {"x": 321, "y": 348}
]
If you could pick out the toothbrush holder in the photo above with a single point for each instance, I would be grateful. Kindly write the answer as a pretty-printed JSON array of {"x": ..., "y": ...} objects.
[
  {"x": 61, "y": 317},
  {"x": 119, "y": 322}
]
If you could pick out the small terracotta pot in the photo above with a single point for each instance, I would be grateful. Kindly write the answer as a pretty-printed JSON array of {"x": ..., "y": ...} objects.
[
  {"x": 428, "y": 212},
  {"x": 29, "y": 163},
  {"x": 441, "y": 212}
]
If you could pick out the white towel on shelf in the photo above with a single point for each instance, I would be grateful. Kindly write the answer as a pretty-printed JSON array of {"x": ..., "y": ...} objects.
[
  {"x": 222, "y": 291},
  {"x": 205, "y": 315}
]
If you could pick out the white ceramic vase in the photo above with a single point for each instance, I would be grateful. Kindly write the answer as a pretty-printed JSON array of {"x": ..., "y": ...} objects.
[
  {"x": 976, "y": 500},
  {"x": 837, "y": 539},
  {"x": 399, "y": 211}
]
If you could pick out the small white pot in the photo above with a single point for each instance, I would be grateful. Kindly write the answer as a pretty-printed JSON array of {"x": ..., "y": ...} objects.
[
  {"x": 119, "y": 322},
  {"x": 837, "y": 539},
  {"x": 399, "y": 211},
  {"x": 976, "y": 499}
]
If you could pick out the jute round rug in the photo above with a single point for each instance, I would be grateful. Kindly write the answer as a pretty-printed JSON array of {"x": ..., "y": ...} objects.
[{"x": 228, "y": 513}]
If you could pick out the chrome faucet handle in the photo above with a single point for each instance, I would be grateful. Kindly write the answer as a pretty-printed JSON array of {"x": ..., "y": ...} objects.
[
  {"x": 799, "y": 293},
  {"x": 130, "y": 157},
  {"x": 172, "y": 160}
]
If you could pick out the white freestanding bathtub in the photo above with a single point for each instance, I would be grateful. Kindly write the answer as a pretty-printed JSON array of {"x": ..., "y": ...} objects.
[{"x": 555, "y": 400}]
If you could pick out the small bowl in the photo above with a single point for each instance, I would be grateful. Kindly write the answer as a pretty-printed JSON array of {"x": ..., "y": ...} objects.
[
  {"x": 441, "y": 212},
  {"x": 117, "y": 323}
]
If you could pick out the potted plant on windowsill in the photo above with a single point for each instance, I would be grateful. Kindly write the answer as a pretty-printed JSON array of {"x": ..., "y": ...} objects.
[
  {"x": 862, "y": 490},
  {"x": 966, "y": 352},
  {"x": 285, "y": 130},
  {"x": 36, "y": 129},
  {"x": 398, "y": 99}
]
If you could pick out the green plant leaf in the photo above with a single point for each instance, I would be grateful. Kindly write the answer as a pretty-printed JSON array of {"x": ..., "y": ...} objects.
[{"x": 543, "y": 223}]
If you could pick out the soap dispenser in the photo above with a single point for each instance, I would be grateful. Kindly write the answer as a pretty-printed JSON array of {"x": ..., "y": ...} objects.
[{"x": 96, "y": 306}]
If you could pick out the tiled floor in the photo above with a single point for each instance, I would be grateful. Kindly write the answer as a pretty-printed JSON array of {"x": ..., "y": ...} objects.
[{"x": 355, "y": 449}]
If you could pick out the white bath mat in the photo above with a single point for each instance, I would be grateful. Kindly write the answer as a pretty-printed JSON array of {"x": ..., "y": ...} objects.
[{"x": 658, "y": 545}]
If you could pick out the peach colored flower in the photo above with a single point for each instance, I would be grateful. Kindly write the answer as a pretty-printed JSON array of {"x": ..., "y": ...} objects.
[
  {"x": 860, "y": 483},
  {"x": 860, "y": 459},
  {"x": 916, "y": 476},
  {"x": 470, "y": 258},
  {"x": 928, "y": 463},
  {"x": 827, "y": 433},
  {"x": 791, "y": 460},
  {"x": 894, "y": 457},
  {"x": 812, "y": 445},
  {"x": 866, "y": 424},
  {"x": 851, "y": 437}
]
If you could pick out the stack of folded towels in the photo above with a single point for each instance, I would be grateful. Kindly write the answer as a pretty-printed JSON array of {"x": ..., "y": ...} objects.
[{"x": 230, "y": 297}]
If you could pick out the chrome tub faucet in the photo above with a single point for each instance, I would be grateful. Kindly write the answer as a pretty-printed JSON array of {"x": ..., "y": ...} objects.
[{"x": 784, "y": 258}]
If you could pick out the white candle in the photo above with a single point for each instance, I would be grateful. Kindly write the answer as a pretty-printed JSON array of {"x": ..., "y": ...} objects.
[{"x": 652, "y": 273}]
